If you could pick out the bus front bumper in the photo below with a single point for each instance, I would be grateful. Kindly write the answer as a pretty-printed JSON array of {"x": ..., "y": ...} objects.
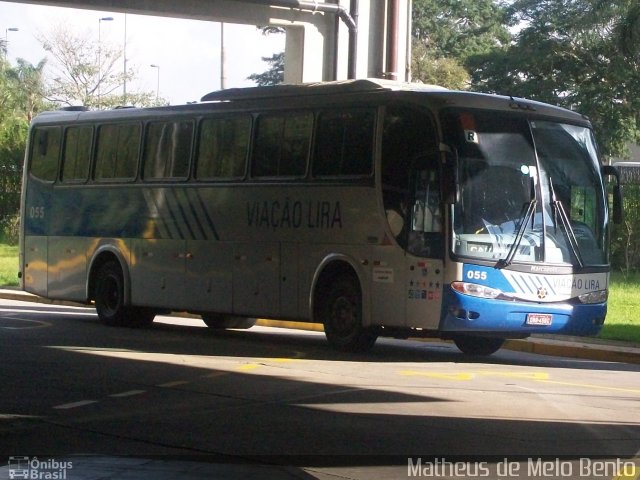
[{"x": 465, "y": 313}]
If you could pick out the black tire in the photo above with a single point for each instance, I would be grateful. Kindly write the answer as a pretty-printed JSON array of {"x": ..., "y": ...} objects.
[
  {"x": 340, "y": 312},
  {"x": 110, "y": 305},
  {"x": 221, "y": 321},
  {"x": 471, "y": 345}
]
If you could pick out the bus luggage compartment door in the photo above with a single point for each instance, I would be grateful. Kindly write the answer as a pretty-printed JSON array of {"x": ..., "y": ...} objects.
[{"x": 256, "y": 286}]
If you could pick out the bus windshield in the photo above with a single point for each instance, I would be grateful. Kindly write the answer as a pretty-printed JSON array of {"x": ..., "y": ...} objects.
[{"x": 529, "y": 190}]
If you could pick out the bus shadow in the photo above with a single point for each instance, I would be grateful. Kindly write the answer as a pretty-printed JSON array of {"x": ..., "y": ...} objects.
[{"x": 170, "y": 336}]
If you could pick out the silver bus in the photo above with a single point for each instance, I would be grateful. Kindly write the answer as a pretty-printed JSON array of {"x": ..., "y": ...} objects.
[{"x": 372, "y": 207}]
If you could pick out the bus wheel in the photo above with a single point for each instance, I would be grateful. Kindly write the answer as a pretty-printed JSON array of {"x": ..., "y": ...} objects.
[
  {"x": 341, "y": 314},
  {"x": 110, "y": 300},
  {"x": 471, "y": 345},
  {"x": 221, "y": 321}
]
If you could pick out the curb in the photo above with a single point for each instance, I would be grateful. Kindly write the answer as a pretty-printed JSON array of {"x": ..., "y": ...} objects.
[{"x": 554, "y": 346}]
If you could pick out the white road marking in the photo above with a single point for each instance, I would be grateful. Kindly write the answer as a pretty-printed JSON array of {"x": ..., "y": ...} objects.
[
  {"x": 129, "y": 393},
  {"x": 81, "y": 403}
]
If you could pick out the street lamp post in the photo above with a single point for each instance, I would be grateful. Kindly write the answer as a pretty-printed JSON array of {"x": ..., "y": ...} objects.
[
  {"x": 100, "y": 20},
  {"x": 124, "y": 55},
  {"x": 6, "y": 40},
  {"x": 153, "y": 65}
]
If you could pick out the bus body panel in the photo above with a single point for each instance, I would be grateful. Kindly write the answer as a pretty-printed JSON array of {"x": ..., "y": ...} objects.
[
  {"x": 67, "y": 267},
  {"x": 35, "y": 266}
]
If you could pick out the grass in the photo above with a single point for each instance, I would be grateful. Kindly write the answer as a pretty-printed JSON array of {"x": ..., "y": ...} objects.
[
  {"x": 623, "y": 317},
  {"x": 623, "y": 320},
  {"x": 8, "y": 265}
]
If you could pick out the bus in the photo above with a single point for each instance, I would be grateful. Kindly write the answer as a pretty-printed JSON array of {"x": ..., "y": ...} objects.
[{"x": 372, "y": 207}]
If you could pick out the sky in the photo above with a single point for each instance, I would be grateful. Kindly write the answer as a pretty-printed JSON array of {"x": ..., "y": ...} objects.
[{"x": 187, "y": 51}]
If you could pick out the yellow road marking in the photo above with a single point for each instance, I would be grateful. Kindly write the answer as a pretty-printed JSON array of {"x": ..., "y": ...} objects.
[
  {"x": 248, "y": 367},
  {"x": 587, "y": 385},
  {"x": 542, "y": 377},
  {"x": 525, "y": 375},
  {"x": 442, "y": 376}
]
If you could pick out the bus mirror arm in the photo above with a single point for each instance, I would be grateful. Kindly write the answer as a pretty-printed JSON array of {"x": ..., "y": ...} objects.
[{"x": 618, "y": 212}]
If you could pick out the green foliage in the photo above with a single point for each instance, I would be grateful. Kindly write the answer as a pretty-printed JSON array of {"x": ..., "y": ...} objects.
[
  {"x": 8, "y": 265},
  {"x": 447, "y": 33},
  {"x": 567, "y": 53},
  {"x": 625, "y": 249},
  {"x": 443, "y": 71},
  {"x": 20, "y": 99},
  {"x": 459, "y": 29},
  {"x": 274, "y": 75},
  {"x": 622, "y": 321}
]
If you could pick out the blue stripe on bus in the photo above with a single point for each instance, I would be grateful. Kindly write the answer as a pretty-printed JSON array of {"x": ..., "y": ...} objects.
[{"x": 133, "y": 212}]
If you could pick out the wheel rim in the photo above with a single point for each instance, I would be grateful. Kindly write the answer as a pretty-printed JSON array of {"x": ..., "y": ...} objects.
[
  {"x": 111, "y": 295},
  {"x": 343, "y": 316}
]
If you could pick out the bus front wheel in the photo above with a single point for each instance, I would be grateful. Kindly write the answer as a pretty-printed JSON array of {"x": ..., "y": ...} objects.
[
  {"x": 472, "y": 345},
  {"x": 341, "y": 314},
  {"x": 109, "y": 296}
]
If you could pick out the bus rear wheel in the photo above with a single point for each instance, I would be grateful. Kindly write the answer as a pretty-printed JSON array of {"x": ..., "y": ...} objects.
[
  {"x": 341, "y": 314},
  {"x": 110, "y": 304},
  {"x": 472, "y": 345},
  {"x": 221, "y": 321}
]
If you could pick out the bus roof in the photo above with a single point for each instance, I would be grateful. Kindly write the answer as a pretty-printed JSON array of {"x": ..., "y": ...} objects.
[
  {"x": 317, "y": 88},
  {"x": 321, "y": 90}
]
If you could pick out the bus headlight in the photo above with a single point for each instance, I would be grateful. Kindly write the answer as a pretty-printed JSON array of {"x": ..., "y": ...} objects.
[
  {"x": 594, "y": 297},
  {"x": 476, "y": 290}
]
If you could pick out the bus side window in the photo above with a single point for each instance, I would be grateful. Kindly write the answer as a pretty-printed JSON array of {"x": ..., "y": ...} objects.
[
  {"x": 281, "y": 146},
  {"x": 77, "y": 154},
  {"x": 167, "y": 150},
  {"x": 222, "y": 148},
  {"x": 45, "y": 152},
  {"x": 344, "y": 143},
  {"x": 117, "y": 152}
]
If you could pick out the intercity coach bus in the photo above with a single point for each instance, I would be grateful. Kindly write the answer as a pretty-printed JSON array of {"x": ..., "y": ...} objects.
[{"x": 374, "y": 208}]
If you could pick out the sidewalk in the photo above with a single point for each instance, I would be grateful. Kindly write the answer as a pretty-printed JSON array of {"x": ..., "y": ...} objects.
[{"x": 557, "y": 345}]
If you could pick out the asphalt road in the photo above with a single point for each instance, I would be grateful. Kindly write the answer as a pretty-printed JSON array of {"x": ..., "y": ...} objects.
[{"x": 180, "y": 391}]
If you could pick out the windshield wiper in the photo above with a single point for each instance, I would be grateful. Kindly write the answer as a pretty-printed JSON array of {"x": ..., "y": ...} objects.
[
  {"x": 506, "y": 261},
  {"x": 559, "y": 211}
]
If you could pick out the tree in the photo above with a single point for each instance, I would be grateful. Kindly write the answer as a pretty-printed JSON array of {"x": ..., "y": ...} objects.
[
  {"x": 275, "y": 73},
  {"x": 459, "y": 29},
  {"x": 568, "y": 53},
  {"x": 446, "y": 33},
  {"x": 444, "y": 71},
  {"x": 19, "y": 101},
  {"x": 87, "y": 73}
]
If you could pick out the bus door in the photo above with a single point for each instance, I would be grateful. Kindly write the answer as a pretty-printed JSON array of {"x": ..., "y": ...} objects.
[
  {"x": 409, "y": 266},
  {"x": 425, "y": 248}
]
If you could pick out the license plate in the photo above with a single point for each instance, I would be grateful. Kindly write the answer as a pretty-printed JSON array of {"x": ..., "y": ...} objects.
[{"x": 539, "y": 319}]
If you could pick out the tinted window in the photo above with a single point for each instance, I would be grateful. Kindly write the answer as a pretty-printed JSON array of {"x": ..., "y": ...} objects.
[
  {"x": 77, "y": 154},
  {"x": 344, "y": 143},
  {"x": 223, "y": 146},
  {"x": 167, "y": 150},
  {"x": 281, "y": 145},
  {"x": 117, "y": 152},
  {"x": 45, "y": 150}
]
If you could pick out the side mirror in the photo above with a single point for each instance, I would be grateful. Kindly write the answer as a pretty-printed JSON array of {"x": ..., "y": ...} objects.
[{"x": 618, "y": 211}]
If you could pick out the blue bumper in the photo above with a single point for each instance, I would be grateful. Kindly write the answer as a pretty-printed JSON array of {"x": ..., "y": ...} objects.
[{"x": 465, "y": 313}]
